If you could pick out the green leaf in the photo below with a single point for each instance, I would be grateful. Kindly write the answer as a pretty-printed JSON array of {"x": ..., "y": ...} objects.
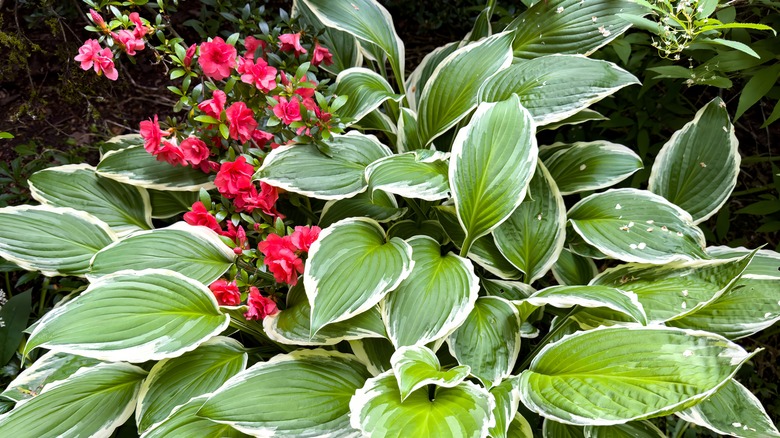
[
  {"x": 141, "y": 315},
  {"x": 368, "y": 21},
  {"x": 14, "y": 315},
  {"x": 586, "y": 166},
  {"x": 465, "y": 411},
  {"x": 124, "y": 208},
  {"x": 194, "y": 251},
  {"x": 553, "y": 429},
  {"x": 586, "y": 115},
  {"x": 434, "y": 299},
  {"x": 591, "y": 296},
  {"x": 569, "y": 26},
  {"x": 351, "y": 267},
  {"x": 51, "y": 367},
  {"x": 637, "y": 226},
  {"x": 634, "y": 429},
  {"x": 756, "y": 88},
  {"x": 305, "y": 170},
  {"x": 406, "y": 229},
  {"x": 742, "y": 47},
  {"x": 374, "y": 353},
  {"x": 556, "y": 87},
  {"x": 173, "y": 382},
  {"x": 166, "y": 204},
  {"x": 417, "y": 366},
  {"x": 377, "y": 205},
  {"x": 733, "y": 410},
  {"x": 184, "y": 422},
  {"x": 366, "y": 90},
  {"x": 92, "y": 402},
  {"x": 421, "y": 174},
  {"x": 647, "y": 372},
  {"x": 304, "y": 394},
  {"x": 489, "y": 340},
  {"x": 32, "y": 237},
  {"x": 343, "y": 47},
  {"x": 533, "y": 235},
  {"x": 571, "y": 269},
  {"x": 452, "y": 91},
  {"x": 493, "y": 160},
  {"x": 423, "y": 72},
  {"x": 697, "y": 168},
  {"x": 134, "y": 166},
  {"x": 120, "y": 142},
  {"x": 507, "y": 396},
  {"x": 520, "y": 428},
  {"x": 510, "y": 290},
  {"x": 765, "y": 264}
]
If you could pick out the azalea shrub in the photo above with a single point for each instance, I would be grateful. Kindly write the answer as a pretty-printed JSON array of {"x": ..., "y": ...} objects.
[{"x": 321, "y": 244}]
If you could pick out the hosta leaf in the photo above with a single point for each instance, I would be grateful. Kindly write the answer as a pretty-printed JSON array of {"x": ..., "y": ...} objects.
[
  {"x": 406, "y": 229},
  {"x": 351, "y": 267},
  {"x": 489, "y": 340},
  {"x": 408, "y": 139},
  {"x": 520, "y": 428},
  {"x": 452, "y": 90},
  {"x": 124, "y": 208},
  {"x": 637, "y": 226},
  {"x": 173, "y": 382},
  {"x": 585, "y": 166},
  {"x": 422, "y": 73},
  {"x": 421, "y": 174},
  {"x": 305, "y": 170},
  {"x": 697, "y": 168},
  {"x": 733, "y": 410},
  {"x": 32, "y": 237},
  {"x": 591, "y": 296},
  {"x": 533, "y": 235},
  {"x": 493, "y": 160},
  {"x": 418, "y": 366},
  {"x": 510, "y": 290},
  {"x": 464, "y": 411},
  {"x": 343, "y": 47},
  {"x": 141, "y": 315},
  {"x": 507, "y": 396},
  {"x": 292, "y": 325},
  {"x": 375, "y": 353},
  {"x": 194, "y": 251},
  {"x": 556, "y": 87},
  {"x": 765, "y": 264},
  {"x": 569, "y": 26},
  {"x": 304, "y": 394},
  {"x": 14, "y": 317},
  {"x": 434, "y": 299},
  {"x": 378, "y": 121},
  {"x": 166, "y": 204},
  {"x": 634, "y": 429},
  {"x": 613, "y": 375},
  {"x": 368, "y": 21},
  {"x": 135, "y": 166},
  {"x": 366, "y": 90},
  {"x": 92, "y": 402},
  {"x": 586, "y": 115},
  {"x": 185, "y": 422},
  {"x": 374, "y": 204},
  {"x": 571, "y": 269},
  {"x": 50, "y": 367},
  {"x": 120, "y": 142},
  {"x": 553, "y": 429}
]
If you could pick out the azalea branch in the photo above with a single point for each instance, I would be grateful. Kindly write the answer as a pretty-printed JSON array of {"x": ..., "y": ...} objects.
[{"x": 254, "y": 270}]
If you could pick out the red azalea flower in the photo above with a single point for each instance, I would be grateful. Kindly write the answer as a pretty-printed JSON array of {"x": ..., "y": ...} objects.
[
  {"x": 188, "y": 55},
  {"x": 303, "y": 237},
  {"x": 320, "y": 55},
  {"x": 241, "y": 121},
  {"x": 260, "y": 74},
  {"x": 281, "y": 259},
  {"x": 234, "y": 177},
  {"x": 287, "y": 111},
  {"x": 128, "y": 41},
  {"x": 152, "y": 135},
  {"x": 289, "y": 42},
  {"x": 213, "y": 107},
  {"x": 171, "y": 153},
  {"x": 259, "y": 306},
  {"x": 251, "y": 43},
  {"x": 217, "y": 58},
  {"x": 140, "y": 29},
  {"x": 198, "y": 215},
  {"x": 306, "y": 92},
  {"x": 265, "y": 200},
  {"x": 227, "y": 294},
  {"x": 195, "y": 150},
  {"x": 261, "y": 137}
]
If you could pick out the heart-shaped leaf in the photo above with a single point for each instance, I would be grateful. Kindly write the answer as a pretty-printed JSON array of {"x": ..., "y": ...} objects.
[{"x": 415, "y": 367}]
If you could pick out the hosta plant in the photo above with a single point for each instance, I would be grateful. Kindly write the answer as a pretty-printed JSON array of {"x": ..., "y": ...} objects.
[{"x": 446, "y": 242}]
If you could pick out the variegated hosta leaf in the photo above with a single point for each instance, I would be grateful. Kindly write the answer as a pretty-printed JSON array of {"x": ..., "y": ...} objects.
[
  {"x": 510, "y": 290},
  {"x": 489, "y": 340},
  {"x": 670, "y": 291},
  {"x": 408, "y": 138},
  {"x": 569, "y": 26},
  {"x": 120, "y": 142},
  {"x": 406, "y": 229},
  {"x": 453, "y": 88},
  {"x": 343, "y": 47},
  {"x": 417, "y": 366},
  {"x": 53, "y": 240},
  {"x": 733, "y": 411},
  {"x": 585, "y": 166},
  {"x": 434, "y": 299},
  {"x": 305, "y": 170},
  {"x": 194, "y": 251},
  {"x": 375, "y": 353},
  {"x": 423, "y": 72},
  {"x": 765, "y": 264},
  {"x": 50, "y": 367},
  {"x": 132, "y": 316},
  {"x": 368, "y": 21},
  {"x": 304, "y": 394},
  {"x": 375, "y": 204},
  {"x": 556, "y": 87},
  {"x": 377, "y": 120},
  {"x": 464, "y": 411},
  {"x": 493, "y": 160},
  {"x": 135, "y": 166},
  {"x": 124, "y": 208},
  {"x": 634, "y": 429},
  {"x": 421, "y": 174},
  {"x": 554, "y": 429},
  {"x": 365, "y": 89},
  {"x": 351, "y": 267},
  {"x": 611, "y": 298},
  {"x": 92, "y": 402},
  {"x": 697, "y": 168},
  {"x": 586, "y": 115},
  {"x": 166, "y": 204},
  {"x": 292, "y": 325},
  {"x": 533, "y": 235},
  {"x": 507, "y": 395},
  {"x": 572, "y": 269},
  {"x": 519, "y": 428},
  {"x": 646, "y": 372},
  {"x": 173, "y": 382},
  {"x": 637, "y": 226},
  {"x": 185, "y": 422}
]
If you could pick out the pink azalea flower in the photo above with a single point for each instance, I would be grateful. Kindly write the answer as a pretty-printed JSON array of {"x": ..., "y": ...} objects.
[
  {"x": 259, "y": 306},
  {"x": 194, "y": 150},
  {"x": 140, "y": 30},
  {"x": 291, "y": 42},
  {"x": 128, "y": 41},
  {"x": 260, "y": 74},
  {"x": 92, "y": 55},
  {"x": 171, "y": 153},
  {"x": 265, "y": 200},
  {"x": 152, "y": 135},
  {"x": 287, "y": 111},
  {"x": 241, "y": 121},
  {"x": 251, "y": 43},
  {"x": 213, "y": 107},
  {"x": 303, "y": 237},
  {"x": 280, "y": 258},
  {"x": 227, "y": 294},
  {"x": 305, "y": 92},
  {"x": 320, "y": 55},
  {"x": 98, "y": 20},
  {"x": 217, "y": 58},
  {"x": 198, "y": 215},
  {"x": 261, "y": 137},
  {"x": 234, "y": 177},
  {"x": 188, "y": 55}
]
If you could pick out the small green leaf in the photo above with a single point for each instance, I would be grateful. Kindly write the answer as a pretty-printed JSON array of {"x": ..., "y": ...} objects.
[
  {"x": 14, "y": 315},
  {"x": 756, "y": 88}
]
